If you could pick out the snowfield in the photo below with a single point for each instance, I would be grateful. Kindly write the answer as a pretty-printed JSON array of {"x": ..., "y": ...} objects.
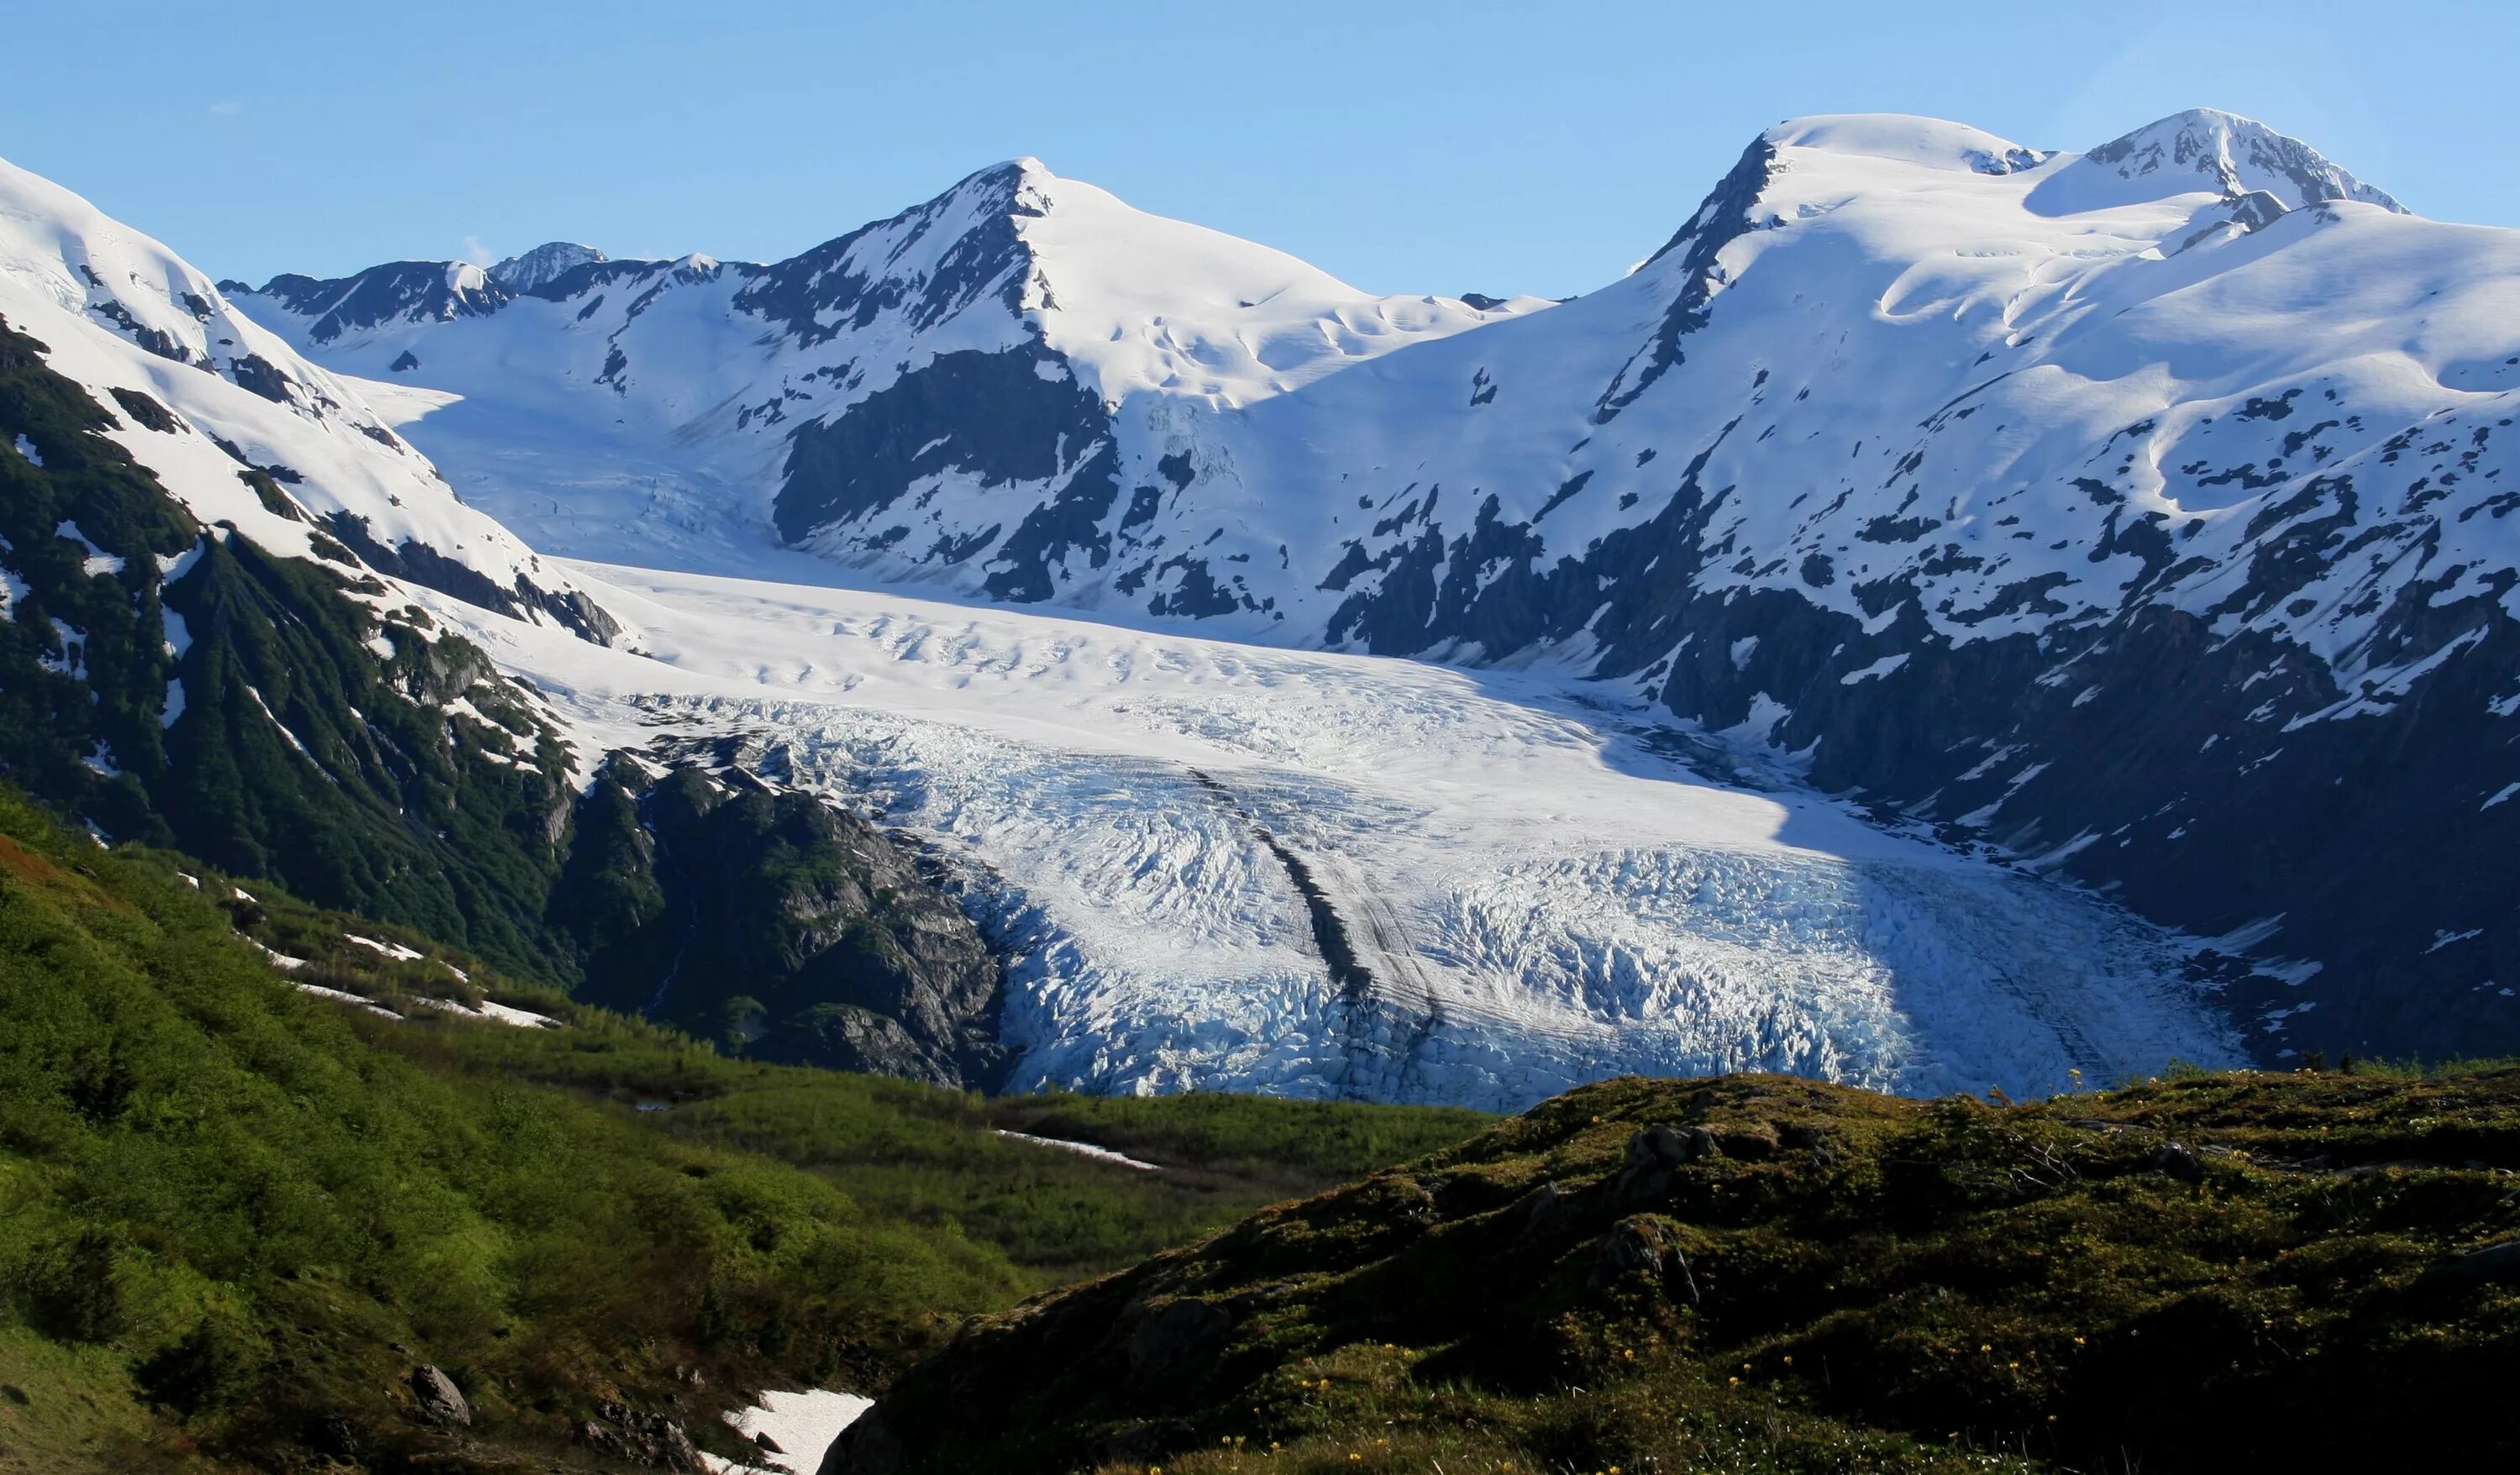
[{"x": 1533, "y": 894}]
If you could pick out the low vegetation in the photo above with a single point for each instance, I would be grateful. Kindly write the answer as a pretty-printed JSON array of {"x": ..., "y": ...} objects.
[
  {"x": 2205, "y": 1272},
  {"x": 235, "y": 1215}
]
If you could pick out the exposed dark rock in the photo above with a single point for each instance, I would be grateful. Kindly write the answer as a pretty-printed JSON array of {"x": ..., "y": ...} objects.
[
  {"x": 441, "y": 1400},
  {"x": 145, "y": 411},
  {"x": 422, "y": 564},
  {"x": 2491, "y": 1262},
  {"x": 867, "y": 1446},
  {"x": 1653, "y": 1153},
  {"x": 1175, "y": 1333},
  {"x": 1643, "y": 1244},
  {"x": 396, "y": 291},
  {"x": 1722, "y": 219},
  {"x": 779, "y": 924},
  {"x": 642, "y": 1438},
  {"x": 842, "y": 475},
  {"x": 2178, "y": 1161},
  {"x": 814, "y": 296},
  {"x": 260, "y": 376}
]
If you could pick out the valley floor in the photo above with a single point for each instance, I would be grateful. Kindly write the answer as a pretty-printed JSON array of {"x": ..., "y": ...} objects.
[{"x": 1229, "y": 867}]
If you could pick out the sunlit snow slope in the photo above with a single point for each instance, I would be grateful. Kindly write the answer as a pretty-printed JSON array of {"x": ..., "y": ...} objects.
[{"x": 137, "y": 326}]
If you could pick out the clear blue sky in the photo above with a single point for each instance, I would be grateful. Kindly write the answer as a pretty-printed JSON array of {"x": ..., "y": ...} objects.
[{"x": 1406, "y": 147}]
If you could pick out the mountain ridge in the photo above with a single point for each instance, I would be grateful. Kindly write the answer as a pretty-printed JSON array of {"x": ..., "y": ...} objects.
[{"x": 2106, "y": 423}]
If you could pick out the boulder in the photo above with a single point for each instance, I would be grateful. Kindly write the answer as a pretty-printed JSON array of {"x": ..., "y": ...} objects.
[
  {"x": 1174, "y": 1334},
  {"x": 441, "y": 1400},
  {"x": 1653, "y": 1153},
  {"x": 2500, "y": 1261},
  {"x": 2176, "y": 1160},
  {"x": 867, "y": 1446},
  {"x": 1641, "y": 1244}
]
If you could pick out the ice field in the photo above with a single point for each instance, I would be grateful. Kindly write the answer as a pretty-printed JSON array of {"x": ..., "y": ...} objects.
[{"x": 1225, "y": 866}]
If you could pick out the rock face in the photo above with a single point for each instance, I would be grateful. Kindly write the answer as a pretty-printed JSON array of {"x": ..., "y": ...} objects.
[
  {"x": 639, "y": 1438},
  {"x": 779, "y": 924},
  {"x": 441, "y": 1400}
]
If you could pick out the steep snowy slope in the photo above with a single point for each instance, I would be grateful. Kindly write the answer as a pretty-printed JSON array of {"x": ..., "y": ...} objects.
[
  {"x": 124, "y": 316},
  {"x": 191, "y": 654},
  {"x": 2140, "y": 512}
]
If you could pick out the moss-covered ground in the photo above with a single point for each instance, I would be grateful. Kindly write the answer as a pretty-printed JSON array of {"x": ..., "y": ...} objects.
[{"x": 1758, "y": 1273}]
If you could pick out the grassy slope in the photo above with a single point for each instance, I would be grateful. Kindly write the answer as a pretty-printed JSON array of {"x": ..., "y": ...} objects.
[
  {"x": 227, "y": 1207},
  {"x": 1851, "y": 1282}
]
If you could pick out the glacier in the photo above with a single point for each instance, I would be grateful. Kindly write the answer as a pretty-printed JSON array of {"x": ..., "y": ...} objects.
[{"x": 1531, "y": 885}]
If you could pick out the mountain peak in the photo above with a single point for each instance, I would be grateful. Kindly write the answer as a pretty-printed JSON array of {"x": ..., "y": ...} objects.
[
  {"x": 2206, "y": 147},
  {"x": 545, "y": 262},
  {"x": 1908, "y": 139}
]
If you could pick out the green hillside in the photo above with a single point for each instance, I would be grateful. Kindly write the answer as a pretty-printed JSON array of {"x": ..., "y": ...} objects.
[
  {"x": 236, "y": 1217},
  {"x": 2311, "y": 1272}
]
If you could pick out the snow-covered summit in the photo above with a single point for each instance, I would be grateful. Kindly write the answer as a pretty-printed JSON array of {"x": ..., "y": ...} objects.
[
  {"x": 1927, "y": 141},
  {"x": 1140, "y": 302},
  {"x": 227, "y": 414},
  {"x": 543, "y": 264},
  {"x": 2205, "y": 148}
]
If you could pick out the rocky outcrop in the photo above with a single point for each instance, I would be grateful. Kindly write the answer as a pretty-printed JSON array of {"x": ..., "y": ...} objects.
[
  {"x": 441, "y": 1400},
  {"x": 776, "y": 924}
]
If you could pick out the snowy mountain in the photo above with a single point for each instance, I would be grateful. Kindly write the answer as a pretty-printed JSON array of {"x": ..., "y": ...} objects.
[
  {"x": 2135, "y": 514},
  {"x": 240, "y": 617},
  {"x": 127, "y": 318},
  {"x": 993, "y": 340}
]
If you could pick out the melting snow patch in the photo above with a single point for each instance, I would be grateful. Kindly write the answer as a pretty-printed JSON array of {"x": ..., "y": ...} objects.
[
  {"x": 27, "y": 448},
  {"x": 393, "y": 950},
  {"x": 800, "y": 1427},
  {"x": 2500, "y": 794},
  {"x": 2442, "y": 937},
  {"x": 98, "y": 559},
  {"x": 1880, "y": 668},
  {"x": 1081, "y": 1150},
  {"x": 339, "y": 996},
  {"x": 493, "y": 1013}
]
